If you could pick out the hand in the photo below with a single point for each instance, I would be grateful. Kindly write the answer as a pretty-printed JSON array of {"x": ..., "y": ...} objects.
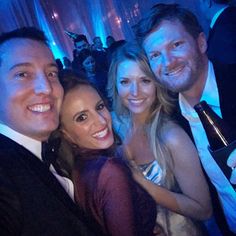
[
  {"x": 136, "y": 172},
  {"x": 231, "y": 162}
]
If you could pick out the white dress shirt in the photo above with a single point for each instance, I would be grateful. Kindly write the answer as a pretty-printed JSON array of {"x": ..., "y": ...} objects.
[
  {"x": 35, "y": 147},
  {"x": 225, "y": 190}
]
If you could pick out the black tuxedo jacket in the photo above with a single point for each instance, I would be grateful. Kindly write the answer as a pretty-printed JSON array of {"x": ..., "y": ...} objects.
[
  {"x": 226, "y": 83},
  {"x": 222, "y": 38},
  {"x": 32, "y": 202}
]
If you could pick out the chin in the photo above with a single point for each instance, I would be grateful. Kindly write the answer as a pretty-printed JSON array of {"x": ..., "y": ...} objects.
[
  {"x": 107, "y": 145},
  {"x": 138, "y": 111}
]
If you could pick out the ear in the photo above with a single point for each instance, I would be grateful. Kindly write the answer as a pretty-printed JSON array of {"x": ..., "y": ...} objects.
[{"x": 202, "y": 42}]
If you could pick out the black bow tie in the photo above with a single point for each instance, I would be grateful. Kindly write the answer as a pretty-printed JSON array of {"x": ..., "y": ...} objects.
[{"x": 49, "y": 151}]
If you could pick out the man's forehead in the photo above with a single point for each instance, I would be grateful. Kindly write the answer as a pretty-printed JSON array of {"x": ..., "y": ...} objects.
[
  {"x": 23, "y": 42},
  {"x": 170, "y": 27},
  {"x": 23, "y": 45},
  {"x": 20, "y": 50}
]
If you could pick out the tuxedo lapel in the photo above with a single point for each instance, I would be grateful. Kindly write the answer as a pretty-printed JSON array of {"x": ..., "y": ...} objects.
[
  {"x": 34, "y": 165},
  {"x": 226, "y": 83}
]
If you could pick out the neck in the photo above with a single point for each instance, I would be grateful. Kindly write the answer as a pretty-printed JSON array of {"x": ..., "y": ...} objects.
[
  {"x": 193, "y": 95},
  {"x": 139, "y": 120}
]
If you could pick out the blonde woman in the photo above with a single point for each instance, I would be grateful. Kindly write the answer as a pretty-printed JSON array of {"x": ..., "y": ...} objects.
[{"x": 164, "y": 160}]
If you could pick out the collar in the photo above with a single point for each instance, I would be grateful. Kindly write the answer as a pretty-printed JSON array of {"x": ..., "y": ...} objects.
[
  {"x": 30, "y": 144},
  {"x": 210, "y": 91},
  {"x": 209, "y": 94},
  {"x": 216, "y": 16}
]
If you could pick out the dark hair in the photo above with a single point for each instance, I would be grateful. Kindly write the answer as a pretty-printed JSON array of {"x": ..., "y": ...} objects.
[
  {"x": 83, "y": 54},
  {"x": 69, "y": 79},
  {"x": 110, "y": 37},
  {"x": 59, "y": 64},
  {"x": 222, "y": 1},
  {"x": 80, "y": 37},
  {"x": 116, "y": 45},
  {"x": 160, "y": 12},
  {"x": 96, "y": 37},
  {"x": 68, "y": 152},
  {"x": 25, "y": 32}
]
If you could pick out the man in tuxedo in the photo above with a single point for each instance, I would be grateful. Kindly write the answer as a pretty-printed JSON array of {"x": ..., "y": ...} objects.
[
  {"x": 34, "y": 198},
  {"x": 222, "y": 35},
  {"x": 176, "y": 49}
]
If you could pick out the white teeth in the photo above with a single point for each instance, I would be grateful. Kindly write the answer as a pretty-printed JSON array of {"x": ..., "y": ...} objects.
[
  {"x": 173, "y": 72},
  {"x": 40, "y": 108},
  {"x": 101, "y": 134},
  {"x": 136, "y": 101}
]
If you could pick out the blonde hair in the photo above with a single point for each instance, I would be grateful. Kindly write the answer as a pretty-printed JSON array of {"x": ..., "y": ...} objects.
[{"x": 159, "y": 112}]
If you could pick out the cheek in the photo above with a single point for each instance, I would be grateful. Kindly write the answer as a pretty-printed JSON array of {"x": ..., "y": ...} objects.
[
  {"x": 77, "y": 135},
  {"x": 107, "y": 117},
  {"x": 150, "y": 91},
  {"x": 155, "y": 66},
  {"x": 58, "y": 92},
  {"x": 122, "y": 91}
]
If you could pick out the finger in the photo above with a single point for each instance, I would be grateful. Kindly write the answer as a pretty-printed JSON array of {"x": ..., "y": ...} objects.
[{"x": 132, "y": 162}]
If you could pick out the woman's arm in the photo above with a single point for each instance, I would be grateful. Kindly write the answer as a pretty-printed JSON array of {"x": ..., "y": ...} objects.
[{"x": 194, "y": 201}]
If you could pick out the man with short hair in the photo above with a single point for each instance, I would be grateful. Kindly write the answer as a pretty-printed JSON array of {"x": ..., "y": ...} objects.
[
  {"x": 34, "y": 198},
  {"x": 176, "y": 49},
  {"x": 81, "y": 42}
]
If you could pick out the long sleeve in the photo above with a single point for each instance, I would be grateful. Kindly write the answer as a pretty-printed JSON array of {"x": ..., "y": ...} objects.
[
  {"x": 106, "y": 190},
  {"x": 115, "y": 196},
  {"x": 10, "y": 209}
]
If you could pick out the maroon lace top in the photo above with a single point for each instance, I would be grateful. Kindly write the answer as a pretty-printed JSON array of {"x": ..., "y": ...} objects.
[{"x": 104, "y": 188}]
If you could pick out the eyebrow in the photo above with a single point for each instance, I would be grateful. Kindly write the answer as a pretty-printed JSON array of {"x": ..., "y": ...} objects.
[
  {"x": 26, "y": 64},
  {"x": 139, "y": 77},
  {"x": 122, "y": 77},
  {"x": 86, "y": 110},
  {"x": 101, "y": 100}
]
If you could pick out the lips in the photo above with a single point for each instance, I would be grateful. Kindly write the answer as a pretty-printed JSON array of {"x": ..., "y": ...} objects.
[
  {"x": 40, "y": 108},
  {"x": 136, "y": 101},
  {"x": 174, "y": 72},
  {"x": 101, "y": 134}
]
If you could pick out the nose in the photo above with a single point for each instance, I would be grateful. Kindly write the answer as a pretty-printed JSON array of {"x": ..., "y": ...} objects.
[
  {"x": 134, "y": 89},
  {"x": 100, "y": 119},
  {"x": 42, "y": 84},
  {"x": 167, "y": 59}
]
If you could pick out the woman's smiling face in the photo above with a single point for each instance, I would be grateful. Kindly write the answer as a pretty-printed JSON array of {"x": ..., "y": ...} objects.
[{"x": 85, "y": 119}]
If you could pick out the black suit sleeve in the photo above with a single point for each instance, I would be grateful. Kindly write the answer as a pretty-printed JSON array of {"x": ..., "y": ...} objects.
[{"x": 10, "y": 208}]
